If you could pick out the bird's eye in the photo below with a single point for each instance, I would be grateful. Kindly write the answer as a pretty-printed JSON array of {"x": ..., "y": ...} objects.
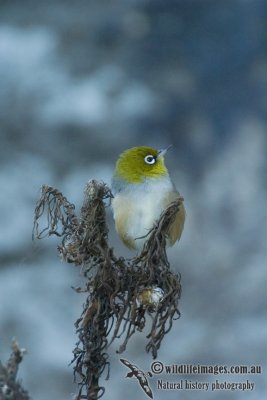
[{"x": 150, "y": 159}]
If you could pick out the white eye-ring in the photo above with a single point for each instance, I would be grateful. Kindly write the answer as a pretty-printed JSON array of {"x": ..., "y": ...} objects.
[{"x": 150, "y": 159}]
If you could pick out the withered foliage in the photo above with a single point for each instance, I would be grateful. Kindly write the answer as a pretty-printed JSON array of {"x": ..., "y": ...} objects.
[
  {"x": 120, "y": 292},
  {"x": 10, "y": 388}
]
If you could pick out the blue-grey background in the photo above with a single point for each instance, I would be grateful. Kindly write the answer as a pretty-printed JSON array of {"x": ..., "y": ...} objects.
[{"x": 81, "y": 81}]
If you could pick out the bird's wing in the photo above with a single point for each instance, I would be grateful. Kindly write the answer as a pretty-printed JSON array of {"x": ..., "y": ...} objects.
[
  {"x": 132, "y": 367},
  {"x": 144, "y": 385},
  {"x": 177, "y": 226}
]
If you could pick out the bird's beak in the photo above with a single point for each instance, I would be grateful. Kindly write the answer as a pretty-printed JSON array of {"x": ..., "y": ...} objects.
[{"x": 162, "y": 152}]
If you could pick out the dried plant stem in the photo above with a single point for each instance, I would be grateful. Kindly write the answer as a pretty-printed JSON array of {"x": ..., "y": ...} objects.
[
  {"x": 10, "y": 388},
  {"x": 120, "y": 292}
]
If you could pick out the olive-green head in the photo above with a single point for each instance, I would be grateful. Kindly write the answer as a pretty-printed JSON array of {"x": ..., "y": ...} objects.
[{"x": 139, "y": 163}]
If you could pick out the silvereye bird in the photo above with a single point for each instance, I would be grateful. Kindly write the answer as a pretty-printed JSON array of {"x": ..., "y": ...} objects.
[{"x": 142, "y": 189}]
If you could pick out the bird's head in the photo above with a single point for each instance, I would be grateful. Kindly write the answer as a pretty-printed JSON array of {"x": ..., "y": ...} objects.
[{"x": 139, "y": 163}]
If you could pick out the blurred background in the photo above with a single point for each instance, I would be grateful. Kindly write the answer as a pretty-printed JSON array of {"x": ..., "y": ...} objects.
[{"x": 80, "y": 82}]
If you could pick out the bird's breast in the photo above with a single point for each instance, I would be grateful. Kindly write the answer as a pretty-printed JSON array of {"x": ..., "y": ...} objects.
[{"x": 136, "y": 211}]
